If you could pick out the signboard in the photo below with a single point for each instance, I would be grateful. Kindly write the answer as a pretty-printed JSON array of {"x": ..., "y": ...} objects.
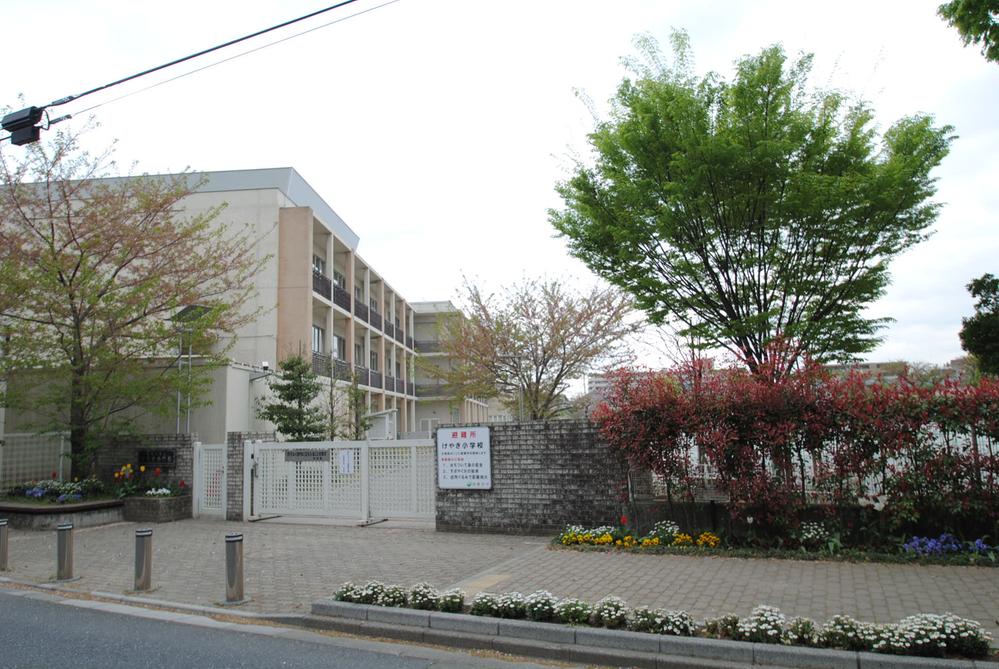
[
  {"x": 463, "y": 458},
  {"x": 306, "y": 455},
  {"x": 346, "y": 458},
  {"x": 157, "y": 457}
]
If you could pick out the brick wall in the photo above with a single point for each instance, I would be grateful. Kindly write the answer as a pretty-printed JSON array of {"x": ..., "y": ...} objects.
[
  {"x": 234, "y": 470},
  {"x": 545, "y": 474},
  {"x": 122, "y": 450}
]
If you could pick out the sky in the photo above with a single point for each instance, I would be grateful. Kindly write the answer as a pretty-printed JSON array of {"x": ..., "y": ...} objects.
[{"x": 438, "y": 129}]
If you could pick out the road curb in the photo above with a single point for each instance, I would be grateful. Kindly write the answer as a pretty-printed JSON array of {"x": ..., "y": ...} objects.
[{"x": 600, "y": 646}]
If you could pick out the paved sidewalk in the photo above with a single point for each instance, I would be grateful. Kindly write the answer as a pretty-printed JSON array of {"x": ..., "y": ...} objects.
[{"x": 287, "y": 566}]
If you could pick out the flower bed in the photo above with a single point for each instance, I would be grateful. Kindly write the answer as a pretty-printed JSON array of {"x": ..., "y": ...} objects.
[
  {"x": 813, "y": 540},
  {"x": 925, "y": 635},
  {"x": 157, "y": 508},
  {"x": 53, "y": 491}
]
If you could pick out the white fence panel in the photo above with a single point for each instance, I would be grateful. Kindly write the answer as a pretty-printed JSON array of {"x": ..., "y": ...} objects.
[
  {"x": 352, "y": 479},
  {"x": 31, "y": 457},
  {"x": 209, "y": 480}
]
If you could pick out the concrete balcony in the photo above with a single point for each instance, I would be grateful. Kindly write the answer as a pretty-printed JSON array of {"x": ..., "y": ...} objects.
[
  {"x": 322, "y": 284},
  {"x": 341, "y": 298}
]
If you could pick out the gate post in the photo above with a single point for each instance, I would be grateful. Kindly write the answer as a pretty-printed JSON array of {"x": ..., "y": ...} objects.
[{"x": 365, "y": 488}]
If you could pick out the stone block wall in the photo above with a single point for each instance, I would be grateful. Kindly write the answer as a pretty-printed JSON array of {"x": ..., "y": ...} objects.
[
  {"x": 123, "y": 450},
  {"x": 545, "y": 474},
  {"x": 234, "y": 470}
]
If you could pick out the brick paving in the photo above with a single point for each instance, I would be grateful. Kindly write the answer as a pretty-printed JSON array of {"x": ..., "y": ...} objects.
[{"x": 289, "y": 565}]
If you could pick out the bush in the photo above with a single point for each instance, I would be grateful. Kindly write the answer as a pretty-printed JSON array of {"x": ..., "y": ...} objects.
[
  {"x": 660, "y": 621},
  {"x": 611, "y": 612},
  {"x": 511, "y": 605},
  {"x": 849, "y": 634},
  {"x": 347, "y": 592},
  {"x": 764, "y": 625},
  {"x": 801, "y": 632},
  {"x": 451, "y": 601},
  {"x": 485, "y": 604},
  {"x": 540, "y": 606},
  {"x": 573, "y": 612},
  {"x": 393, "y": 595},
  {"x": 724, "y": 627},
  {"x": 424, "y": 596}
]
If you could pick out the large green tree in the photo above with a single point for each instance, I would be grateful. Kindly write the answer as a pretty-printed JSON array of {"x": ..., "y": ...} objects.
[
  {"x": 293, "y": 409},
  {"x": 980, "y": 333},
  {"x": 977, "y": 21},
  {"x": 750, "y": 211},
  {"x": 95, "y": 273}
]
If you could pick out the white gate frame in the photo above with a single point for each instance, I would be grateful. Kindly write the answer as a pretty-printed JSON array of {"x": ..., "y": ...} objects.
[
  {"x": 199, "y": 481},
  {"x": 251, "y": 448}
]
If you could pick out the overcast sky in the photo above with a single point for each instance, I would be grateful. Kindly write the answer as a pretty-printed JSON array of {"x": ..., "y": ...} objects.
[{"x": 438, "y": 128}]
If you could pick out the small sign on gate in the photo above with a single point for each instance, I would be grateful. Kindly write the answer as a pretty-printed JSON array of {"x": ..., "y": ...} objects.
[
  {"x": 306, "y": 455},
  {"x": 463, "y": 458}
]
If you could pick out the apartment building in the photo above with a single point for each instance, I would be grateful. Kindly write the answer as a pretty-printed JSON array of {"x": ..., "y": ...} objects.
[
  {"x": 435, "y": 405},
  {"x": 315, "y": 296}
]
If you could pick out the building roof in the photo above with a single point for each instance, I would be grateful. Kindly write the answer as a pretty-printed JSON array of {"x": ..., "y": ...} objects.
[
  {"x": 286, "y": 180},
  {"x": 441, "y": 307}
]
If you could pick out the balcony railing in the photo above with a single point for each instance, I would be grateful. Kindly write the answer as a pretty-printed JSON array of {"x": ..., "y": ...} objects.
[
  {"x": 400, "y": 386},
  {"x": 361, "y": 311},
  {"x": 431, "y": 390},
  {"x": 389, "y": 328},
  {"x": 409, "y": 342},
  {"x": 341, "y": 370},
  {"x": 376, "y": 380},
  {"x": 322, "y": 284},
  {"x": 322, "y": 364},
  {"x": 341, "y": 298},
  {"x": 376, "y": 320},
  {"x": 411, "y": 387},
  {"x": 428, "y": 346},
  {"x": 362, "y": 375},
  {"x": 398, "y": 335},
  {"x": 389, "y": 382}
]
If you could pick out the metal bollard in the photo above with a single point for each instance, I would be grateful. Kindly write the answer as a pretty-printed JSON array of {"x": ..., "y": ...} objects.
[
  {"x": 64, "y": 552},
  {"x": 234, "y": 568},
  {"x": 143, "y": 559},
  {"x": 3, "y": 544}
]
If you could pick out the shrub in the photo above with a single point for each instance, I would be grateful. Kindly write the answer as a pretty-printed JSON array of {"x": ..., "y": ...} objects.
[
  {"x": 347, "y": 592},
  {"x": 659, "y": 621},
  {"x": 812, "y": 535},
  {"x": 932, "y": 635},
  {"x": 573, "y": 611},
  {"x": 512, "y": 605},
  {"x": 451, "y": 601},
  {"x": 849, "y": 634},
  {"x": 370, "y": 592},
  {"x": 423, "y": 596},
  {"x": 485, "y": 604},
  {"x": 801, "y": 632},
  {"x": 541, "y": 605},
  {"x": 764, "y": 625},
  {"x": 724, "y": 627},
  {"x": 393, "y": 595},
  {"x": 611, "y": 612}
]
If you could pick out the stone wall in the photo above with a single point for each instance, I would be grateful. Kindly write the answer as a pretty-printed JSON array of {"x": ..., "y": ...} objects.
[
  {"x": 234, "y": 470},
  {"x": 124, "y": 450},
  {"x": 545, "y": 474}
]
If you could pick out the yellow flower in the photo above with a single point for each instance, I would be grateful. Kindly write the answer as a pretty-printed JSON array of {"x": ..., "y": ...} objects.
[
  {"x": 708, "y": 540},
  {"x": 142, "y": 468},
  {"x": 682, "y": 539}
]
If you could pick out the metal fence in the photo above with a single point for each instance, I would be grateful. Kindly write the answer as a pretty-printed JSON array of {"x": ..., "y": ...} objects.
[{"x": 30, "y": 457}]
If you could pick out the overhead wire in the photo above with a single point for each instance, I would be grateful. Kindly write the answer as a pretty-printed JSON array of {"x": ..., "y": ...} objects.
[
  {"x": 226, "y": 60},
  {"x": 70, "y": 98}
]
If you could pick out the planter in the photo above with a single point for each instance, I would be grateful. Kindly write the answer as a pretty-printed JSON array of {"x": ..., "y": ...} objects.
[
  {"x": 148, "y": 509},
  {"x": 48, "y": 516}
]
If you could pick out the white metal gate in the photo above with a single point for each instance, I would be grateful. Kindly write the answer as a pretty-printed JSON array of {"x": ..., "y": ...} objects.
[
  {"x": 351, "y": 479},
  {"x": 209, "y": 480}
]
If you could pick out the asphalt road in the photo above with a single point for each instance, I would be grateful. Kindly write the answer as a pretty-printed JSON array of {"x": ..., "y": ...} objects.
[{"x": 43, "y": 631}]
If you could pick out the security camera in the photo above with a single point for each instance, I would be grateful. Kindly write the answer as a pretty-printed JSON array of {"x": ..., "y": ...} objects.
[{"x": 265, "y": 365}]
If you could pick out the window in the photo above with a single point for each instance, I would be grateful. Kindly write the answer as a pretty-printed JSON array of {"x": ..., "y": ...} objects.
[
  {"x": 340, "y": 280},
  {"x": 374, "y": 305},
  {"x": 318, "y": 339},
  {"x": 374, "y": 361},
  {"x": 357, "y": 294},
  {"x": 428, "y": 424},
  {"x": 359, "y": 354},
  {"x": 318, "y": 264},
  {"x": 339, "y": 347},
  {"x": 398, "y": 369}
]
